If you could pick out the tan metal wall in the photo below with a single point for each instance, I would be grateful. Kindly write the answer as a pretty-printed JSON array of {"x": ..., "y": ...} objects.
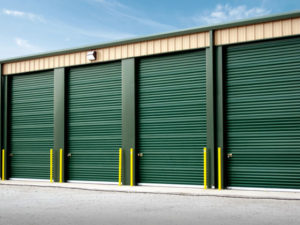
[
  {"x": 172, "y": 44},
  {"x": 260, "y": 31},
  {"x": 274, "y": 29}
]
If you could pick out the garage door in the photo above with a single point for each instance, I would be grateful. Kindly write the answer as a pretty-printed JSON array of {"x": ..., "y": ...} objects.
[
  {"x": 30, "y": 125},
  {"x": 94, "y": 122},
  {"x": 172, "y": 118},
  {"x": 263, "y": 114}
]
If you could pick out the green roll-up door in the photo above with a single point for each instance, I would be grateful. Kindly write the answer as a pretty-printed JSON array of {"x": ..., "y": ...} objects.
[
  {"x": 94, "y": 122},
  {"x": 172, "y": 118},
  {"x": 263, "y": 114},
  {"x": 30, "y": 125}
]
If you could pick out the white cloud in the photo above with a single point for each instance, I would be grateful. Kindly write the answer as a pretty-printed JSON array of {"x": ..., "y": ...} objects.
[
  {"x": 224, "y": 13},
  {"x": 117, "y": 9},
  {"x": 22, "y": 43},
  {"x": 25, "y": 15},
  {"x": 111, "y": 3},
  {"x": 102, "y": 34},
  {"x": 26, "y": 46}
]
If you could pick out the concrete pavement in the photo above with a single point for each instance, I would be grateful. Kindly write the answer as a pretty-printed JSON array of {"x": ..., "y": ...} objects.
[
  {"x": 61, "y": 205},
  {"x": 171, "y": 190}
]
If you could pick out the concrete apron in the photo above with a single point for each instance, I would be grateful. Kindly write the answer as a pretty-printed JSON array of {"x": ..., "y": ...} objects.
[{"x": 170, "y": 190}]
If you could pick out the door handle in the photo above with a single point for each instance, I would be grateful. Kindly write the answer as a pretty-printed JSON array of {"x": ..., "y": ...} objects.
[
  {"x": 69, "y": 155},
  {"x": 140, "y": 154},
  {"x": 229, "y": 155}
]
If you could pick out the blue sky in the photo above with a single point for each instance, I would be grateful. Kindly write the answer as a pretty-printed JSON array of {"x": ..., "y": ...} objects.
[{"x": 32, "y": 26}]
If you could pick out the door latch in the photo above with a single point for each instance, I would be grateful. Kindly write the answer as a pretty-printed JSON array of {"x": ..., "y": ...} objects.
[
  {"x": 69, "y": 155},
  {"x": 140, "y": 154},
  {"x": 229, "y": 155}
]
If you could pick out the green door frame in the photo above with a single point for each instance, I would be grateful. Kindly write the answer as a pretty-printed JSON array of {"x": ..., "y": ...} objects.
[
  {"x": 128, "y": 121},
  {"x": 59, "y": 125},
  {"x": 210, "y": 112},
  {"x": 220, "y": 112},
  {"x": 4, "y": 124}
]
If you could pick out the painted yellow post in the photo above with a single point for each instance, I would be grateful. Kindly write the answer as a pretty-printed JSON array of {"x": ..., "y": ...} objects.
[
  {"x": 131, "y": 167},
  {"x": 3, "y": 164},
  {"x": 51, "y": 165},
  {"x": 60, "y": 165},
  {"x": 120, "y": 166},
  {"x": 204, "y": 169},
  {"x": 219, "y": 169}
]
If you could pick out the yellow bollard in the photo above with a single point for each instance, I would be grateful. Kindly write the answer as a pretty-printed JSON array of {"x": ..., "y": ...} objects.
[
  {"x": 131, "y": 167},
  {"x": 219, "y": 169},
  {"x": 60, "y": 164},
  {"x": 51, "y": 165},
  {"x": 3, "y": 164},
  {"x": 120, "y": 166},
  {"x": 204, "y": 169}
]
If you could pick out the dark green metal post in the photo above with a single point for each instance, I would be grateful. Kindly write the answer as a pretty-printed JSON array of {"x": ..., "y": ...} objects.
[
  {"x": 210, "y": 113},
  {"x": 5, "y": 124},
  {"x": 1, "y": 119},
  {"x": 59, "y": 123},
  {"x": 220, "y": 109},
  {"x": 128, "y": 118}
]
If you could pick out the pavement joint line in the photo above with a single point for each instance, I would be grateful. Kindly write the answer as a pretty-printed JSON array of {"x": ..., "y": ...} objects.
[{"x": 164, "y": 192}]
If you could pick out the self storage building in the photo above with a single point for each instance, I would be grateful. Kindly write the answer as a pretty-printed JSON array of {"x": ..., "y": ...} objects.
[{"x": 216, "y": 106}]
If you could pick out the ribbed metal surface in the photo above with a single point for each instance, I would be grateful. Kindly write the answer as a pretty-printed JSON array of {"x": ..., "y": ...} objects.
[
  {"x": 263, "y": 114},
  {"x": 172, "y": 118},
  {"x": 94, "y": 122},
  {"x": 31, "y": 125}
]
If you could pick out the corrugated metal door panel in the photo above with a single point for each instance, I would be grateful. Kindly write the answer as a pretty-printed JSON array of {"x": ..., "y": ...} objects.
[
  {"x": 31, "y": 125},
  {"x": 94, "y": 122},
  {"x": 172, "y": 118},
  {"x": 263, "y": 114}
]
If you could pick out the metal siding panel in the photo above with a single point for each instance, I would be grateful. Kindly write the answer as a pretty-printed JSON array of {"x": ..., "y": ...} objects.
[
  {"x": 259, "y": 31},
  {"x": 27, "y": 66},
  {"x": 277, "y": 29},
  {"x": 22, "y": 67},
  {"x": 296, "y": 26},
  {"x": 72, "y": 60},
  {"x": 164, "y": 45},
  {"x": 178, "y": 43},
  {"x": 124, "y": 51},
  {"x": 13, "y": 68},
  {"x": 51, "y": 62},
  {"x": 150, "y": 47},
  {"x": 157, "y": 47},
  {"x": 94, "y": 122},
  {"x": 171, "y": 44},
  {"x": 194, "y": 41},
  {"x": 118, "y": 52},
  {"x": 186, "y": 42},
  {"x": 268, "y": 30},
  {"x": 83, "y": 58},
  {"x": 31, "y": 125},
  {"x": 100, "y": 56},
  {"x": 112, "y": 53},
  {"x": 263, "y": 108},
  {"x": 137, "y": 49},
  {"x": 172, "y": 118},
  {"x": 242, "y": 34},
  {"x": 233, "y": 35},
  {"x": 106, "y": 54},
  {"x": 250, "y": 33},
  {"x": 36, "y": 65},
  {"x": 287, "y": 27},
  {"x": 130, "y": 50}
]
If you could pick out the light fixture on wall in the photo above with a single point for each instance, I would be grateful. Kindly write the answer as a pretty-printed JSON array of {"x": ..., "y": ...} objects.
[{"x": 91, "y": 55}]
